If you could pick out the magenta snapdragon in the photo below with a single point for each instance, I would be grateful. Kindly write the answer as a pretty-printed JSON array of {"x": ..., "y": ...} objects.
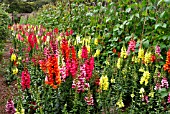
[
  {"x": 89, "y": 68},
  {"x": 131, "y": 46},
  {"x": 10, "y": 109},
  {"x": 84, "y": 53}
]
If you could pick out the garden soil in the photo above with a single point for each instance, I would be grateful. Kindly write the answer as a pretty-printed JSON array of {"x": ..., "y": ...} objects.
[{"x": 6, "y": 91}]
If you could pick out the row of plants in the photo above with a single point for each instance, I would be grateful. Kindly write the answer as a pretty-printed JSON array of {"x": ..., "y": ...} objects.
[
  {"x": 57, "y": 72},
  {"x": 4, "y": 31},
  {"x": 113, "y": 23}
]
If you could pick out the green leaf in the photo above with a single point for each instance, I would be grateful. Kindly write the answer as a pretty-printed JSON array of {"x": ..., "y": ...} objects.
[
  {"x": 164, "y": 94},
  {"x": 137, "y": 15},
  {"x": 162, "y": 14},
  {"x": 146, "y": 43},
  {"x": 167, "y": 1},
  {"x": 159, "y": 2},
  {"x": 164, "y": 25},
  {"x": 162, "y": 90},
  {"x": 157, "y": 25},
  {"x": 128, "y": 10},
  {"x": 108, "y": 19}
]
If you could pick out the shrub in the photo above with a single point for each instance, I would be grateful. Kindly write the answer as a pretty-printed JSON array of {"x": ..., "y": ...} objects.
[
  {"x": 4, "y": 22},
  {"x": 20, "y": 7}
]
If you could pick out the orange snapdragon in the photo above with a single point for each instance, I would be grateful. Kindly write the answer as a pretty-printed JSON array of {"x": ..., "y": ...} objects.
[
  {"x": 50, "y": 66},
  {"x": 167, "y": 64}
]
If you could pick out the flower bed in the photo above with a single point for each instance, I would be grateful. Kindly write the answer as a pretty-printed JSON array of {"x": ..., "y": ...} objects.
[{"x": 57, "y": 72}]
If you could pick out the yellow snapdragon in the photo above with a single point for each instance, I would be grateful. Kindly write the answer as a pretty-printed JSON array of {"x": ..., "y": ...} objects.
[
  {"x": 96, "y": 41},
  {"x": 140, "y": 54},
  {"x": 97, "y": 53},
  {"x": 151, "y": 94},
  {"x": 15, "y": 71},
  {"x": 88, "y": 48},
  {"x": 147, "y": 58},
  {"x": 142, "y": 90},
  {"x": 104, "y": 83},
  {"x": 13, "y": 57},
  {"x": 78, "y": 39},
  {"x": 119, "y": 63},
  {"x": 141, "y": 69},
  {"x": 132, "y": 95},
  {"x": 20, "y": 112},
  {"x": 145, "y": 78},
  {"x": 123, "y": 53},
  {"x": 79, "y": 53},
  {"x": 112, "y": 80},
  {"x": 120, "y": 103}
]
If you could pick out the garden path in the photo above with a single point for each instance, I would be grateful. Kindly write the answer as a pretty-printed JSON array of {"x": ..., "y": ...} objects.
[{"x": 6, "y": 91}]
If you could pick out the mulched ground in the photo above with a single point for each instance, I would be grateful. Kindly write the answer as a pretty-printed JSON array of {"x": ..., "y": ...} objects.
[{"x": 6, "y": 91}]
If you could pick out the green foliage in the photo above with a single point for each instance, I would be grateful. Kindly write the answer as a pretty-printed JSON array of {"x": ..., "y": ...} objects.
[
  {"x": 4, "y": 22},
  {"x": 1, "y": 50},
  {"x": 20, "y": 7},
  {"x": 31, "y": 19},
  {"x": 114, "y": 23}
]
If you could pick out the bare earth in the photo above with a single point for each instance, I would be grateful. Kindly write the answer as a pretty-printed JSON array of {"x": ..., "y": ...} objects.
[{"x": 6, "y": 91}]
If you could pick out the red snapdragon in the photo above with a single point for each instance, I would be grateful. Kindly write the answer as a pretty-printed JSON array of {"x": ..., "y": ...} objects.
[
  {"x": 25, "y": 79},
  {"x": 84, "y": 53}
]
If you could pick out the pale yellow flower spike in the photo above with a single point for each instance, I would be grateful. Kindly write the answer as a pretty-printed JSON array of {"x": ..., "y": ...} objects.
[
  {"x": 123, "y": 53},
  {"x": 96, "y": 41},
  {"x": 97, "y": 53},
  {"x": 140, "y": 54},
  {"x": 119, "y": 63},
  {"x": 79, "y": 54},
  {"x": 120, "y": 103}
]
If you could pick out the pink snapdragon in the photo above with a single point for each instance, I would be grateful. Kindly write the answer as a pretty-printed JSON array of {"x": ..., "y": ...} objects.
[
  {"x": 158, "y": 50},
  {"x": 164, "y": 83},
  {"x": 25, "y": 80},
  {"x": 131, "y": 46},
  {"x": 10, "y": 109},
  {"x": 168, "y": 100},
  {"x": 145, "y": 99},
  {"x": 20, "y": 37},
  {"x": 63, "y": 73},
  {"x": 80, "y": 83},
  {"x": 89, "y": 100},
  {"x": 157, "y": 86},
  {"x": 73, "y": 68}
]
